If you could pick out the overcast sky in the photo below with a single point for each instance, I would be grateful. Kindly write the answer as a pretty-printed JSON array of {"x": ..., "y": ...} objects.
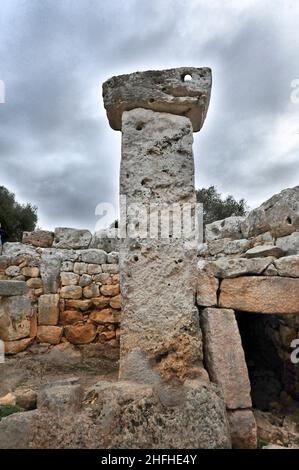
[{"x": 56, "y": 148}]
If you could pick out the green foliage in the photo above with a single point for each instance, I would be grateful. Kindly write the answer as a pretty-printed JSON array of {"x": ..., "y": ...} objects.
[
  {"x": 216, "y": 208},
  {"x": 9, "y": 410},
  {"x": 261, "y": 442},
  {"x": 14, "y": 217}
]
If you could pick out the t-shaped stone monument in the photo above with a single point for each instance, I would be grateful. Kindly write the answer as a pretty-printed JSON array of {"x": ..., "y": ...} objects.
[
  {"x": 157, "y": 113},
  {"x": 161, "y": 347}
]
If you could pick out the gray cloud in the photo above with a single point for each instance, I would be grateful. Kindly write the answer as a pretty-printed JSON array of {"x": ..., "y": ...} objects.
[{"x": 56, "y": 148}]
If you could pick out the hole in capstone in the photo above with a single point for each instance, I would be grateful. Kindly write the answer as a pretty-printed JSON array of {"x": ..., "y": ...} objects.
[
  {"x": 289, "y": 220},
  {"x": 187, "y": 77},
  {"x": 139, "y": 126}
]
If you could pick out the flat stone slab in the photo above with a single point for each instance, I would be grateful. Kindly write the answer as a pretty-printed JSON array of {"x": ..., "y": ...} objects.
[
  {"x": 70, "y": 238},
  {"x": 160, "y": 90},
  {"x": 8, "y": 288},
  {"x": 261, "y": 294},
  {"x": 264, "y": 251},
  {"x": 234, "y": 267},
  {"x": 15, "y": 316},
  {"x": 171, "y": 417},
  {"x": 224, "y": 356},
  {"x": 38, "y": 238},
  {"x": 289, "y": 244},
  {"x": 288, "y": 266},
  {"x": 225, "y": 228}
]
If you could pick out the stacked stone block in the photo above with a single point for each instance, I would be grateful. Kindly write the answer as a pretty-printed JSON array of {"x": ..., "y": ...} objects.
[
  {"x": 250, "y": 265},
  {"x": 52, "y": 295}
]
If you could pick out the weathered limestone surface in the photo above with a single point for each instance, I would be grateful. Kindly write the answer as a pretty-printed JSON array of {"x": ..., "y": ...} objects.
[
  {"x": 289, "y": 244},
  {"x": 69, "y": 278},
  {"x": 226, "y": 228},
  {"x": 192, "y": 416},
  {"x": 263, "y": 294},
  {"x": 288, "y": 266},
  {"x": 8, "y": 288},
  {"x": 61, "y": 287},
  {"x": 264, "y": 251},
  {"x": 105, "y": 240},
  {"x": 70, "y": 238},
  {"x": 234, "y": 247},
  {"x": 50, "y": 271},
  {"x": 161, "y": 338},
  {"x": 93, "y": 256},
  {"x": 160, "y": 90},
  {"x": 14, "y": 250},
  {"x": 80, "y": 333},
  {"x": 49, "y": 334},
  {"x": 16, "y": 431},
  {"x": 243, "y": 429},
  {"x": 224, "y": 356},
  {"x": 62, "y": 395},
  {"x": 207, "y": 287},
  {"x": 234, "y": 267},
  {"x": 71, "y": 292},
  {"x": 48, "y": 309},
  {"x": 4, "y": 262},
  {"x": 17, "y": 346},
  {"x": 158, "y": 277},
  {"x": 278, "y": 215},
  {"x": 39, "y": 238},
  {"x": 15, "y": 315}
]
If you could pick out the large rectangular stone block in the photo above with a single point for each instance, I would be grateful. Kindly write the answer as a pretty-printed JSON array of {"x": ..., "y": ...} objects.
[
  {"x": 224, "y": 356},
  {"x": 261, "y": 294},
  {"x": 50, "y": 271},
  {"x": 207, "y": 287},
  {"x": 8, "y": 288},
  {"x": 39, "y": 238},
  {"x": 15, "y": 317},
  {"x": 165, "y": 91},
  {"x": 70, "y": 238},
  {"x": 160, "y": 332},
  {"x": 48, "y": 309},
  {"x": 243, "y": 429}
]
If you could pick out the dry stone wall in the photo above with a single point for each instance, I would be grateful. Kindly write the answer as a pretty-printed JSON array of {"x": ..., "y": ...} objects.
[
  {"x": 54, "y": 288},
  {"x": 248, "y": 268}
]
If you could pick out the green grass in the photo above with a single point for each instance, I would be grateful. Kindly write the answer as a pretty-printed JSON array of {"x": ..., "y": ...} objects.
[
  {"x": 261, "y": 442},
  {"x": 9, "y": 410}
]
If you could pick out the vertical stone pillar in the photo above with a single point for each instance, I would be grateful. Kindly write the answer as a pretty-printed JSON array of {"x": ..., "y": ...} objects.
[{"x": 157, "y": 113}]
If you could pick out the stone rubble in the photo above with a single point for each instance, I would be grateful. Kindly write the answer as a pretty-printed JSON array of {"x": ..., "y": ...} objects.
[{"x": 56, "y": 299}]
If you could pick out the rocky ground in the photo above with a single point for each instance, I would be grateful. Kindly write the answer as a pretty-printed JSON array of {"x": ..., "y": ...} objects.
[
  {"x": 277, "y": 429},
  {"x": 22, "y": 376},
  {"x": 41, "y": 364}
]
